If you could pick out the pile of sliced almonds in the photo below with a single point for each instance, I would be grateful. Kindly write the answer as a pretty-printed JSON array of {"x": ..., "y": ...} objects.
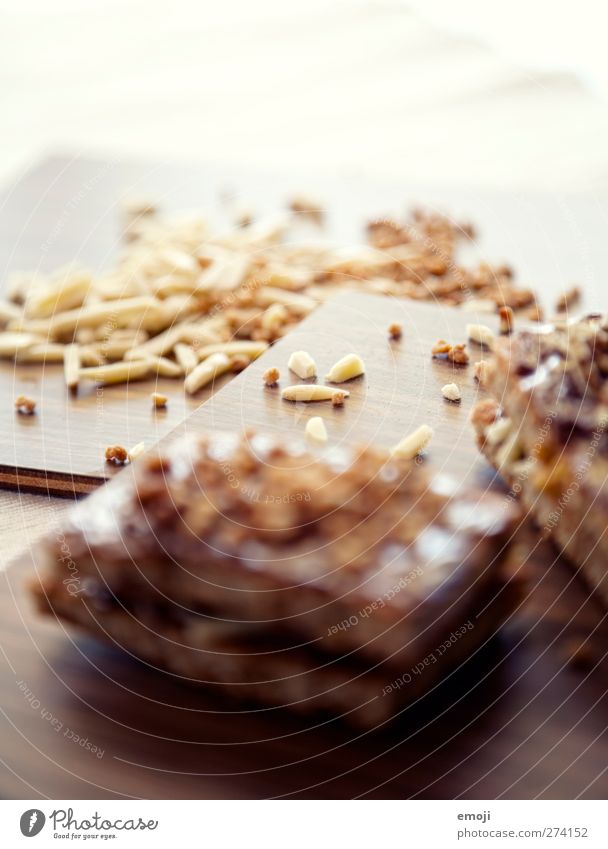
[{"x": 187, "y": 303}]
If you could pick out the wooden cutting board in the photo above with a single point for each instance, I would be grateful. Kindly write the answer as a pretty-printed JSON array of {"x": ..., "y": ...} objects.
[
  {"x": 81, "y": 720},
  {"x": 67, "y": 209}
]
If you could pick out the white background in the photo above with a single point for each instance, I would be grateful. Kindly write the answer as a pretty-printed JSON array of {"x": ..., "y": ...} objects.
[{"x": 495, "y": 94}]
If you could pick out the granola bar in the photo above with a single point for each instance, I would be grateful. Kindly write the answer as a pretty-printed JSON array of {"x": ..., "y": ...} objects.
[
  {"x": 362, "y": 561},
  {"x": 545, "y": 431}
]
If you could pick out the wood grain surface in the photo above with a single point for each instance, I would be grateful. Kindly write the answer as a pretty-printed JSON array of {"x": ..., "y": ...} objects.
[
  {"x": 67, "y": 209},
  {"x": 79, "y": 720},
  {"x": 400, "y": 390}
]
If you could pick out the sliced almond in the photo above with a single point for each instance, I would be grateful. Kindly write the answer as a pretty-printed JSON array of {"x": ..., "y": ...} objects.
[
  {"x": 230, "y": 349},
  {"x": 347, "y": 368},
  {"x": 480, "y": 334},
  {"x": 308, "y": 392},
  {"x": 302, "y": 364},
  {"x": 451, "y": 392},
  {"x": 315, "y": 429},
  {"x": 136, "y": 451},
  {"x": 71, "y": 366},
  {"x": 43, "y": 352},
  {"x": 411, "y": 445},
  {"x": 13, "y": 343},
  {"x": 274, "y": 317},
  {"x": 211, "y": 367},
  {"x": 186, "y": 357},
  {"x": 164, "y": 367},
  {"x": 117, "y": 372}
]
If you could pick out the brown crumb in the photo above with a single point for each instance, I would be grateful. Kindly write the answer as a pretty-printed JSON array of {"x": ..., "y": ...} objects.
[
  {"x": 505, "y": 315},
  {"x": 337, "y": 399},
  {"x": 485, "y": 412},
  {"x": 568, "y": 299},
  {"x": 534, "y": 313},
  {"x": 458, "y": 355},
  {"x": 441, "y": 347},
  {"x": 117, "y": 455},
  {"x": 271, "y": 376},
  {"x": 395, "y": 331},
  {"x": 240, "y": 363},
  {"x": 156, "y": 463},
  {"x": 159, "y": 401},
  {"x": 25, "y": 406}
]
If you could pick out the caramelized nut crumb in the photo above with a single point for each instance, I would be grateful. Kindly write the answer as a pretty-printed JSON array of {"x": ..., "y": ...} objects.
[
  {"x": 505, "y": 315},
  {"x": 156, "y": 463},
  {"x": 485, "y": 413},
  {"x": 159, "y": 401},
  {"x": 441, "y": 347},
  {"x": 271, "y": 376},
  {"x": 570, "y": 297},
  {"x": 458, "y": 355},
  {"x": 338, "y": 398},
  {"x": 395, "y": 331},
  {"x": 25, "y": 406},
  {"x": 117, "y": 455}
]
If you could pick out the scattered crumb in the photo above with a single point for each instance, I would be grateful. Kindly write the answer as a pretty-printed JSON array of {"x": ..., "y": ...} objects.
[
  {"x": 117, "y": 455},
  {"x": 441, "y": 347},
  {"x": 451, "y": 392},
  {"x": 159, "y": 401},
  {"x": 481, "y": 371},
  {"x": 240, "y": 363},
  {"x": 505, "y": 315},
  {"x": 271, "y": 376},
  {"x": 485, "y": 412},
  {"x": 534, "y": 313},
  {"x": 302, "y": 364},
  {"x": 458, "y": 355},
  {"x": 315, "y": 429},
  {"x": 345, "y": 369},
  {"x": 411, "y": 445},
  {"x": 337, "y": 399},
  {"x": 136, "y": 451},
  {"x": 481, "y": 334},
  {"x": 25, "y": 406},
  {"x": 395, "y": 331},
  {"x": 568, "y": 299}
]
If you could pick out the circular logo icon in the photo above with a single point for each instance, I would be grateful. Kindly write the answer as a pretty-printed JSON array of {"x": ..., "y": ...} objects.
[{"x": 32, "y": 822}]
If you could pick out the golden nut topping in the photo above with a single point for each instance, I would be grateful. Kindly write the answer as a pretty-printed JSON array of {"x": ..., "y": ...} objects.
[
  {"x": 117, "y": 455},
  {"x": 25, "y": 406}
]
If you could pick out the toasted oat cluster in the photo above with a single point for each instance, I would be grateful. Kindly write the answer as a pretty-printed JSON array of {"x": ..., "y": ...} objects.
[
  {"x": 359, "y": 559},
  {"x": 182, "y": 293},
  {"x": 546, "y": 428}
]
